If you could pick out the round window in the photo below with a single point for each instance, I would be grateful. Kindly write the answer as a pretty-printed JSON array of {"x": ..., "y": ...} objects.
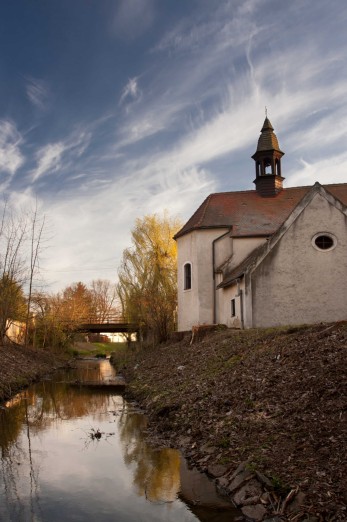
[{"x": 324, "y": 241}]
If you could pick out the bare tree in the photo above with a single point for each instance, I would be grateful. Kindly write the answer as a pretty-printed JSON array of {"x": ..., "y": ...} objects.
[
  {"x": 104, "y": 299},
  {"x": 36, "y": 232}
]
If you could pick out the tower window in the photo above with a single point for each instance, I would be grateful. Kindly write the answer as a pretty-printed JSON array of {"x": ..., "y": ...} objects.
[
  {"x": 187, "y": 276},
  {"x": 267, "y": 166}
]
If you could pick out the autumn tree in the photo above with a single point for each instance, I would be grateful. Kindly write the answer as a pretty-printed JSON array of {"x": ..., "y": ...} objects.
[
  {"x": 49, "y": 328},
  {"x": 57, "y": 317},
  {"x": 12, "y": 267},
  {"x": 147, "y": 285},
  {"x": 76, "y": 303},
  {"x": 12, "y": 304}
]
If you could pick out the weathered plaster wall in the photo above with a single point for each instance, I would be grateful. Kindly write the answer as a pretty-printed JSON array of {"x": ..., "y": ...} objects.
[
  {"x": 296, "y": 283},
  {"x": 241, "y": 248},
  {"x": 223, "y": 249},
  {"x": 195, "y": 306},
  {"x": 224, "y": 297}
]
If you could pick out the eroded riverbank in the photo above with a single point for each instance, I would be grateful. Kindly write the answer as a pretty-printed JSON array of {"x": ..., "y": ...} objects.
[
  {"x": 21, "y": 366},
  {"x": 274, "y": 399}
]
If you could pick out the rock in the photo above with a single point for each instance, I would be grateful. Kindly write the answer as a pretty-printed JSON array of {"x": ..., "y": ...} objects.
[
  {"x": 248, "y": 494},
  {"x": 183, "y": 441},
  {"x": 203, "y": 459},
  {"x": 265, "y": 498},
  {"x": 223, "y": 482},
  {"x": 255, "y": 513},
  {"x": 217, "y": 470},
  {"x": 273, "y": 519},
  {"x": 241, "y": 467},
  {"x": 264, "y": 480},
  {"x": 208, "y": 449},
  {"x": 296, "y": 503},
  {"x": 240, "y": 479}
]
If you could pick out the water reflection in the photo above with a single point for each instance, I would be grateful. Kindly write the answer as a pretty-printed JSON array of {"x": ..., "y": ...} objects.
[
  {"x": 54, "y": 468},
  {"x": 156, "y": 473}
]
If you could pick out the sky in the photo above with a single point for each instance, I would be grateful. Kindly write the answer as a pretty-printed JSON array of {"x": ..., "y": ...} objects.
[{"x": 114, "y": 109}]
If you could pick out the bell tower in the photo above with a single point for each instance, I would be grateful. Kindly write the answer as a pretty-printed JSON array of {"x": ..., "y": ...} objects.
[{"x": 268, "y": 181}]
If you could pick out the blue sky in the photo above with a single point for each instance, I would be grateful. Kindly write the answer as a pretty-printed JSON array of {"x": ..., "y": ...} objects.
[{"x": 113, "y": 109}]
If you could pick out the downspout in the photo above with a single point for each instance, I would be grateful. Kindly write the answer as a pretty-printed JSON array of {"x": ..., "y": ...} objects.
[{"x": 214, "y": 274}]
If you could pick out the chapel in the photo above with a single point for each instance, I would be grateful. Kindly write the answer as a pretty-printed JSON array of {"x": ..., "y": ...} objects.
[{"x": 265, "y": 257}]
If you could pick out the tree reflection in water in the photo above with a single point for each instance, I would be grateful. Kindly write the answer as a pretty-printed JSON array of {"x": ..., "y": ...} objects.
[
  {"x": 47, "y": 468},
  {"x": 163, "y": 475},
  {"x": 29, "y": 413},
  {"x": 156, "y": 472}
]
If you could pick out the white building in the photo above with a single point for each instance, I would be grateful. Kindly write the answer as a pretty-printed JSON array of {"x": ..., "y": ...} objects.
[{"x": 265, "y": 257}]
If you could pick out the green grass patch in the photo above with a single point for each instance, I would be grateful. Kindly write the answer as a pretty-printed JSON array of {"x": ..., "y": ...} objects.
[
  {"x": 224, "y": 442},
  {"x": 100, "y": 349},
  {"x": 234, "y": 359},
  {"x": 123, "y": 355}
]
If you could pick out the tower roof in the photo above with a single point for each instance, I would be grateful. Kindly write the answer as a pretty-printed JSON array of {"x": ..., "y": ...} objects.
[{"x": 268, "y": 139}]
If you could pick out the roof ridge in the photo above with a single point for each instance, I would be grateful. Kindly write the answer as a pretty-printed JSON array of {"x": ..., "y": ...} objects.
[{"x": 253, "y": 191}]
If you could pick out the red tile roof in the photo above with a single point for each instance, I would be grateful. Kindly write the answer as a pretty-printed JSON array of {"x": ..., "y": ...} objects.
[{"x": 250, "y": 214}]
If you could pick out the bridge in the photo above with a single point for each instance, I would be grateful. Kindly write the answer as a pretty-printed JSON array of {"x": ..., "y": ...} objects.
[{"x": 107, "y": 324}]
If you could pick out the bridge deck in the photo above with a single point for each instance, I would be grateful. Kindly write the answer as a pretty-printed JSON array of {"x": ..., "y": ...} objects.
[{"x": 108, "y": 327}]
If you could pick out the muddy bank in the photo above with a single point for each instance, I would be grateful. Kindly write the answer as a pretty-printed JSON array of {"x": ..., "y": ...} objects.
[
  {"x": 21, "y": 366},
  {"x": 275, "y": 400}
]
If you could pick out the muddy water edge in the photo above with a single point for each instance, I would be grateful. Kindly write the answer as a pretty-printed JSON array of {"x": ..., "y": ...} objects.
[{"x": 74, "y": 453}]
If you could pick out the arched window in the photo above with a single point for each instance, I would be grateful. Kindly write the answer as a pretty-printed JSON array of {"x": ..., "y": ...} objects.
[
  {"x": 267, "y": 166},
  {"x": 187, "y": 276}
]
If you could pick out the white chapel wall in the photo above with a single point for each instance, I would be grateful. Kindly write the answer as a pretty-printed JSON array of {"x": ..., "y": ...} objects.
[
  {"x": 241, "y": 248},
  {"x": 195, "y": 306},
  {"x": 296, "y": 283},
  {"x": 224, "y": 308}
]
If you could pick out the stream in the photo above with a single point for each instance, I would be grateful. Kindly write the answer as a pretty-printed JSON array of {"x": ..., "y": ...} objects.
[{"x": 74, "y": 453}]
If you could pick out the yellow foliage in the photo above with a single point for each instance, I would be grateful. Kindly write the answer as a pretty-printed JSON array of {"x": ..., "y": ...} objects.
[{"x": 147, "y": 275}]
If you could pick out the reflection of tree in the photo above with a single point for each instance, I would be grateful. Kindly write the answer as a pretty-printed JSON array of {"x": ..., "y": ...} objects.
[
  {"x": 47, "y": 403},
  {"x": 10, "y": 425},
  {"x": 15, "y": 456},
  {"x": 157, "y": 472},
  {"x": 9, "y": 476},
  {"x": 27, "y": 414}
]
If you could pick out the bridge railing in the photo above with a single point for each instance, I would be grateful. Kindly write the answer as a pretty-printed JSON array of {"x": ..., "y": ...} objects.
[{"x": 110, "y": 318}]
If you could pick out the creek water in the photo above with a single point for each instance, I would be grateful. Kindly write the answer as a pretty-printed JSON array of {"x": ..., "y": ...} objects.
[{"x": 72, "y": 453}]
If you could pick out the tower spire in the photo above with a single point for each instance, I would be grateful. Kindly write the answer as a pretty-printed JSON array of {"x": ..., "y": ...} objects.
[{"x": 267, "y": 157}]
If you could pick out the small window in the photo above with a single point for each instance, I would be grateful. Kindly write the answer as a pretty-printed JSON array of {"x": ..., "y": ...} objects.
[
  {"x": 233, "y": 308},
  {"x": 324, "y": 241},
  {"x": 187, "y": 276}
]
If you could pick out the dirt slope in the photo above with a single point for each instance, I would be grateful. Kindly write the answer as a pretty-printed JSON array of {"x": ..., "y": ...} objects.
[
  {"x": 274, "y": 398},
  {"x": 20, "y": 366}
]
